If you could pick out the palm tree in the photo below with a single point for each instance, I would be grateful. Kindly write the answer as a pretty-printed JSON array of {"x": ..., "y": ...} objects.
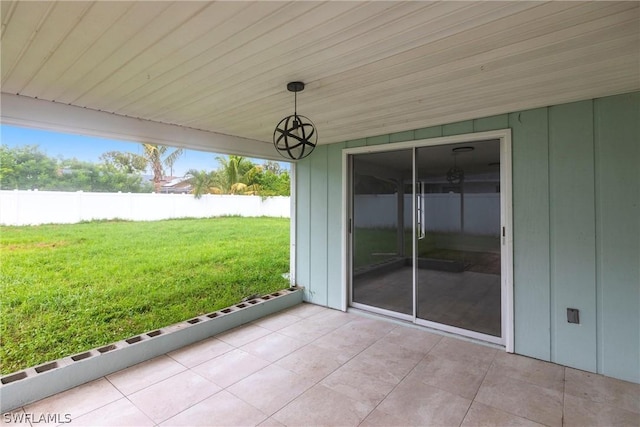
[
  {"x": 157, "y": 157},
  {"x": 234, "y": 175},
  {"x": 202, "y": 182}
]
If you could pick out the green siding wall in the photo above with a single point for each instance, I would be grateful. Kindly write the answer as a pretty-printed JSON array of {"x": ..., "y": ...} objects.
[
  {"x": 576, "y": 210},
  {"x": 572, "y": 232},
  {"x": 617, "y": 177}
]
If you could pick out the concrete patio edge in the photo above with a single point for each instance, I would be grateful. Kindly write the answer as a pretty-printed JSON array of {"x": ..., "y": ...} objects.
[{"x": 35, "y": 383}]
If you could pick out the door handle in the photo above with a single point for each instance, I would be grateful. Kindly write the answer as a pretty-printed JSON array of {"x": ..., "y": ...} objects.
[{"x": 422, "y": 230}]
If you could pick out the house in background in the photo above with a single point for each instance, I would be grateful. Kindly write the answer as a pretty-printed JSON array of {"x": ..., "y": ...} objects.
[
  {"x": 176, "y": 185},
  {"x": 540, "y": 97}
]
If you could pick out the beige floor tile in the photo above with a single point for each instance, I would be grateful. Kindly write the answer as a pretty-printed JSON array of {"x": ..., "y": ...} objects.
[
  {"x": 221, "y": 409},
  {"x": 413, "y": 338},
  {"x": 461, "y": 378},
  {"x": 313, "y": 362},
  {"x": 394, "y": 360},
  {"x": 120, "y": 413},
  {"x": 16, "y": 418},
  {"x": 242, "y": 335},
  {"x": 597, "y": 388},
  {"x": 307, "y": 330},
  {"x": 537, "y": 372},
  {"x": 355, "y": 382},
  {"x": 77, "y": 401},
  {"x": 586, "y": 413},
  {"x": 321, "y": 406},
  {"x": 480, "y": 415},
  {"x": 377, "y": 418},
  {"x": 271, "y": 388},
  {"x": 422, "y": 404},
  {"x": 200, "y": 352},
  {"x": 271, "y": 422},
  {"x": 364, "y": 325},
  {"x": 230, "y": 367},
  {"x": 346, "y": 342},
  {"x": 275, "y": 322},
  {"x": 273, "y": 346},
  {"x": 173, "y": 395},
  {"x": 305, "y": 310},
  {"x": 332, "y": 317},
  {"x": 526, "y": 400},
  {"x": 144, "y": 374},
  {"x": 464, "y": 351}
]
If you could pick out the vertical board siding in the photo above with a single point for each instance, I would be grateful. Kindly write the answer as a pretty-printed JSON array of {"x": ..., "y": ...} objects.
[
  {"x": 491, "y": 123},
  {"x": 377, "y": 140},
  {"x": 457, "y": 128},
  {"x": 356, "y": 143},
  {"x": 303, "y": 223},
  {"x": 402, "y": 136},
  {"x": 335, "y": 290},
  {"x": 576, "y": 190},
  {"x": 431, "y": 132},
  {"x": 618, "y": 230},
  {"x": 530, "y": 150},
  {"x": 318, "y": 284},
  {"x": 572, "y": 230}
]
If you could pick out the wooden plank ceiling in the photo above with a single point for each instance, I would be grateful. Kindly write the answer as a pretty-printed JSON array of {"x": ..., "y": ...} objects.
[{"x": 370, "y": 67}]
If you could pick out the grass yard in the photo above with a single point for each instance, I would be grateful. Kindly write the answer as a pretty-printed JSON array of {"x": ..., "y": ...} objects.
[{"x": 68, "y": 288}]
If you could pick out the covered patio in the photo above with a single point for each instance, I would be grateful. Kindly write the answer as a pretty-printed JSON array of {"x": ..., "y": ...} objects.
[
  {"x": 556, "y": 83},
  {"x": 311, "y": 365}
]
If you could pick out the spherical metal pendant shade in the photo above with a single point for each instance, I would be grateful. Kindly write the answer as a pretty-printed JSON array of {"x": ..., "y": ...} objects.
[{"x": 295, "y": 137}]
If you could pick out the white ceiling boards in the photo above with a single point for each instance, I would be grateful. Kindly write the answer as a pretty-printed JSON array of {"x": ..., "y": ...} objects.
[{"x": 370, "y": 68}]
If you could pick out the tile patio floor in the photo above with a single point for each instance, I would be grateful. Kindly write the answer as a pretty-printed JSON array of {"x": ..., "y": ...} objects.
[{"x": 315, "y": 366}]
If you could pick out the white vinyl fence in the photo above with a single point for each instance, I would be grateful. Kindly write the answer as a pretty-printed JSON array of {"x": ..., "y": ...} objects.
[{"x": 58, "y": 207}]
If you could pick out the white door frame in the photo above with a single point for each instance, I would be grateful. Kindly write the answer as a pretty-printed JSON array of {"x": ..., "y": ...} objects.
[{"x": 506, "y": 223}]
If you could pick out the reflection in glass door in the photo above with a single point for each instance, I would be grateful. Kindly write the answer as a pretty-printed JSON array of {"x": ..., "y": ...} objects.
[
  {"x": 381, "y": 237},
  {"x": 425, "y": 235},
  {"x": 458, "y": 247}
]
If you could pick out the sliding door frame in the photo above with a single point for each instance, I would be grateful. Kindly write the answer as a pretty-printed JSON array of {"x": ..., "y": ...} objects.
[{"x": 506, "y": 224}]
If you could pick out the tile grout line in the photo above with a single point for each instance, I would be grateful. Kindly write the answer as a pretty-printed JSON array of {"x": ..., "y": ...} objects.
[
  {"x": 296, "y": 373},
  {"x": 403, "y": 378},
  {"x": 493, "y": 361},
  {"x": 193, "y": 372},
  {"x": 523, "y": 381},
  {"x": 341, "y": 365}
]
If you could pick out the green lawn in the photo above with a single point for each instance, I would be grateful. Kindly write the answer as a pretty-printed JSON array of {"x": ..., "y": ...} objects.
[{"x": 68, "y": 288}]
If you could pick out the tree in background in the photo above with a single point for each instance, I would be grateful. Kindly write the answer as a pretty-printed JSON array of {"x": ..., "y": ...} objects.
[
  {"x": 27, "y": 168},
  {"x": 77, "y": 175},
  {"x": 233, "y": 175},
  {"x": 202, "y": 182},
  {"x": 238, "y": 175},
  {"x": 157, "y": 157},
  {"x": 124, "y": 161},
  {"x": 274, "y": 184}
]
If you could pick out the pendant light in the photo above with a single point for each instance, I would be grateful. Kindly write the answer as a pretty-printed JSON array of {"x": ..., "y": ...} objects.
[{"x": 295, "y": 136}]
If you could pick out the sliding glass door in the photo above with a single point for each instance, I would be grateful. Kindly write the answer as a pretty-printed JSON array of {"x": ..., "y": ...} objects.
[
  {"x": 425, "y": 235},
  {"x": 381, "y": 236},
  {"x": 458, "y": 248}
]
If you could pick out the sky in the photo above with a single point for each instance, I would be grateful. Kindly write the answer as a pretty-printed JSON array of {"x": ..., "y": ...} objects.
[{"x": 88, "y": 148}]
